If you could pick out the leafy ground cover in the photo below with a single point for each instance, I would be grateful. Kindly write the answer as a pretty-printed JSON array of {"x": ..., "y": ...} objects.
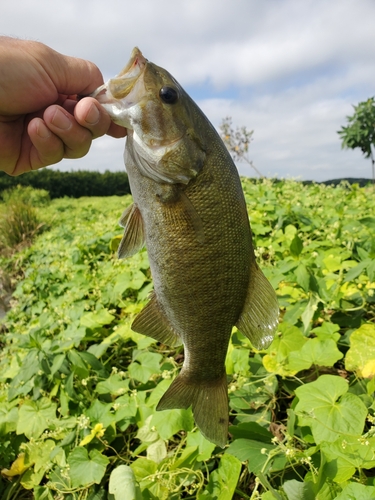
[{"x": 78, "y": 388}]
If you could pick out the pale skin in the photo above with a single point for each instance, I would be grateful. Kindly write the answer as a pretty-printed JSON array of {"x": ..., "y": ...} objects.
[{"x": 42, "y": 120}]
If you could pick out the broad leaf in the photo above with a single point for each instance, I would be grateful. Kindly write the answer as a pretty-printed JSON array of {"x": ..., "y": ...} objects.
[
  {"x": 362, "y": 349},
  {"x": 123, "y": 485},
  {"x": 86, "y": 468},
  {"x": 329, "y": 410},
  {"x": 35, "y": 417}
]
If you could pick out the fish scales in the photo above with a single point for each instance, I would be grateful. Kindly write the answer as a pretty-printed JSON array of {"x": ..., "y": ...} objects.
[
  {"x": 190, "y": 212},
  {"x": 201, "y": 286}
]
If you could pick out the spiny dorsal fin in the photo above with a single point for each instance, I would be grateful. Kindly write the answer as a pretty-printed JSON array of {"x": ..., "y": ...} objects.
[
  {"x": 260, "y": 315},
  {"x": 151, "y": 321},
  {"x": 134, "y": 233}
]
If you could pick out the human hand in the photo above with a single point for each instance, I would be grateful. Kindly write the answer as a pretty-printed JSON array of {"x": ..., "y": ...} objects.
[{"x": 42, "y": 120}]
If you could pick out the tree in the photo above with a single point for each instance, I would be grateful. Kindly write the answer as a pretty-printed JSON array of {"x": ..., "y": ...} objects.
[
  {"x": 237, "y": 141},
  {"x": 360, "y": 133}
]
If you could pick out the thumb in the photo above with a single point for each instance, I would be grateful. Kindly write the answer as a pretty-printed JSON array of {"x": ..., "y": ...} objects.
[{"x": 70, "y": 75}]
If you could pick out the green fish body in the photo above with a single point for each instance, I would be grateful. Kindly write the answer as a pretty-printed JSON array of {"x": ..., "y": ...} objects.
[{"x": 190, "y": 212}]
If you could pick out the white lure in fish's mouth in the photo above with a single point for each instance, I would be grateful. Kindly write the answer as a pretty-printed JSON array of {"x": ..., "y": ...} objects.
[{"x": 121, "y": 93}]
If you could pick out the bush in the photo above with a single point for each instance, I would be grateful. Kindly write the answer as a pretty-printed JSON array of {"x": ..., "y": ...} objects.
[
  {"x": 73, "y": 184},
  {"x": 18, "y": 224},
  {"x": 27, "y": 195},
  {"x": 19, "y": 221}
]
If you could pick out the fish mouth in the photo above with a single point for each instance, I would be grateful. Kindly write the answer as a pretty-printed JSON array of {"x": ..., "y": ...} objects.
[{"x": 125, "y": 89}]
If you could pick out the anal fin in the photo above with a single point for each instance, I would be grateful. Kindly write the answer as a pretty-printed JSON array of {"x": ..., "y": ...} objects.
[
  {"x": 134, "y": 233},
  {"x": 260, "y": 315},
  {"x": 151, "y": 321}
]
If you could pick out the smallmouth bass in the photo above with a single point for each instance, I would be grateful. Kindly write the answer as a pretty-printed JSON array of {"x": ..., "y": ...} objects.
[{"x": 190, "y": 212}]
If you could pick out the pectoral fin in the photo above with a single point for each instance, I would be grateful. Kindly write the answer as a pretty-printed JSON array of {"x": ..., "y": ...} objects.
[
  {"x": 179, "y": 210},
  {"x": 151, "y": 321},
  {"x": 134, "y": 234},
  {"x": 260, "y": 315},
  {"x": 192, "y": 217}
]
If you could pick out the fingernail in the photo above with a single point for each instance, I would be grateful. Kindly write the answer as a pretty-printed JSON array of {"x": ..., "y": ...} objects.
[
  {"x": 93, "y": 115},
  {"x": 60, "y": 120},
  {"x": 43, "y": 131}
]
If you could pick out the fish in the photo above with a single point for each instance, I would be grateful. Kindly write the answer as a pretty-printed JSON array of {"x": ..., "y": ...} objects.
[{"x": 189, "y": 211}]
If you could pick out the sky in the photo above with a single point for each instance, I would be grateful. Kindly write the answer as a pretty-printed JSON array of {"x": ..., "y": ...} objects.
[{"x": 289, "y": 70}]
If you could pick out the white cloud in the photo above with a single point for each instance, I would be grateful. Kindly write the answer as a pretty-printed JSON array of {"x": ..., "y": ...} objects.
[{"x": 289, "y": 69}]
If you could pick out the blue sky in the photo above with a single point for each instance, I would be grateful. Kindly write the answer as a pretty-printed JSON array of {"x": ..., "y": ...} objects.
[{"x": 288, "y": 69}]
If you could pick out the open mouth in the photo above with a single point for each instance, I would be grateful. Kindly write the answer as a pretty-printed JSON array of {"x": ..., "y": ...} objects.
[{"x": 120, "y": 86}]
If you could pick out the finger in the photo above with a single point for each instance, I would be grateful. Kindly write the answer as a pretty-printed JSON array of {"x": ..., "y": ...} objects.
[
  {"x": 90, "y": 114},
  {"x": 46, "y": 148},
  {"x": 76, "y": 139},
  {"x": 10, "y": 140},
  {"x": 116, "y": 131},
  {"x": 70, "y": 75}
]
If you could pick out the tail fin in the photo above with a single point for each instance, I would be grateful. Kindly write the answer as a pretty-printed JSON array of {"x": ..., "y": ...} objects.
[{"x": 209, "y": 401}]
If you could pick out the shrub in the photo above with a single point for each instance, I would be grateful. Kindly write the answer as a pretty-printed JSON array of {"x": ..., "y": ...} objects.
[
  {"x": 27, "y": 195},
  {"x": 18, "y": 224},
  {"x": 73, "y": 184}
]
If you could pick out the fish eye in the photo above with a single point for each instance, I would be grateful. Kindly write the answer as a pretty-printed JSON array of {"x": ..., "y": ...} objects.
[{"x": 169, "y": 95}]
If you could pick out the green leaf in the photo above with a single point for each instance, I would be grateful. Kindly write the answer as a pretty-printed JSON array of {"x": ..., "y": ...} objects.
[
  {"x": 356, "y": 491},
  {"x": 291, "y": 339},
  {"x": 35, "y": 416},
  {"x": 223, "y": 481},
  {"x": 157, "y": 451},
  {"x": 237, "y": 360},
  {"x": 97, "y": 319},
  {"x": 332, "y": 263},
  {"x": 346, "y": 455},
  {"x": 371, "y": 270},
  {"x": 143, "y": 467},
  {"x": 315, "y": 352},
  {"x": 123, "y": 485},
  {"x": 144, "y": 365},
  {"x": 303, "y": 277},
  {"x": 257, "y": 454},
  {"x": 327, "y": 408},
  {"x": 114, "y": 385},
  {"x": 310, "y": 310},
  {"x": 296, "y": 246},
  {"x": 205, "y": 447},
  {"x": 251, "y": 430},
  {"x": 79, "y": 367},
  {"x": 327, "y": 331},
  {"x": 186, "y": 459},
  {"x": 86, "y": 468},
  {"x": 296, "y": 490},
  {"x": 354, "y": 272},
  {"x": 169, "y": 422},
  {"x": 368, "y": 222},
  {"x": 101, "y": 413},
  {"x": 294, "y": 313},
  {"x": 362, "y": 349}
]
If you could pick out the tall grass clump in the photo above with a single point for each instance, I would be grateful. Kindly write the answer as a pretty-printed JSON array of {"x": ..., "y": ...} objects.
[{"x": 19, "y": 221}]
